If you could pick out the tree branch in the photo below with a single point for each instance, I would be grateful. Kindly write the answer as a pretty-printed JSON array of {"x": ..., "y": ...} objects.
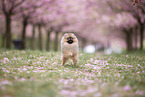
[
  {"x": 19, "y": 3},
  {"x": 12, "y": 7},
  {"x": 4, "y": 7}
]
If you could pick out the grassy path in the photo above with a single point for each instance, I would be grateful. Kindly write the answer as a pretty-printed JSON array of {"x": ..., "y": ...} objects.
[{"x": 39, "y": 74}]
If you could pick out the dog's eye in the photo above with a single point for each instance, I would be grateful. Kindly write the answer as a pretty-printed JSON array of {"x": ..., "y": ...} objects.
[{"x": 70, "y": 38}]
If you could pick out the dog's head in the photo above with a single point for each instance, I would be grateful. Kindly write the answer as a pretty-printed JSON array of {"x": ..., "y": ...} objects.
[{"x": 70, "y": 38}]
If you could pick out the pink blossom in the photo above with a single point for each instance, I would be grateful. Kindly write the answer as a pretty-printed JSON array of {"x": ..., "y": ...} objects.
[
  {"x": 71, "y": 79},
  {"x": 127, "y": 88},
  {"x": 3, "y": 87},
  {"x": 14, "y": 58},
  {"x": 130, "y": 66},
  {"x": 7, "y": 71},
  {"x": 38, "y": 62},
  {"x": 103, "y": 84},
  {"x": 90, "y": 90},
  {"x": 23, "y": 52},
  {"x": 42, "y": 67},
  {"x": 23, "y": 79},
  {"x": 5, "y": 60},
  {"x": 65, "y": 70},
  {"x": 16, "y": 77},
  {"x": 42, "y": 70},
  {"x": 83, "y": 93},
  {"x": 5, "y": 82},
  {"x": 91, "y": 59},
  {"x": 38, "y": 67},
  {"x": 97, "y": 61},
  {"x": 35, "y": 71},
  {"x": 31, "y": 67},
  {"x": 65, "y": 82},
  {"x": 61, "y": 80},
  {"x": 97, "y": 95},
  {"x": 139, "y": 92},
  {"x": 65, "y": 92},
  {"x": 116, "y": 84},
  {"x": 24, "y": 69},
  {"x": 71, "y": 93},
  {"x": 138, "y": 72},
  {"x": 87, "y": 64}
]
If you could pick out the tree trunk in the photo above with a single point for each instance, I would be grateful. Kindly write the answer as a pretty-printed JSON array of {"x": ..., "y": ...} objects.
[
  {"x": 48, "y": 40},
  {"x": 3, "y": 40},
  {"x": 33, "y": 38},
  {"x": 135, "y": 37},
  {"x": 24, "y": 34},
  {"x": 83, "y": 43},
  {"x": 56, "y": 41},
  {"x": 40, "y": 38},
  {"x": 8, "y": 31},
  {"x": 129, "y": 41},
  {"x": 141, "y": 36}
]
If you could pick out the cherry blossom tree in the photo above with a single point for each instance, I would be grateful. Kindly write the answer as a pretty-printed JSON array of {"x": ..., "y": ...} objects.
[
  {"x": 28, "y": 13},
  {"x": 136, "y": 11},
  {"x": 126, "y": 26},
  {"x": 91, "y": 22},
  {"x": 33, "y": 38},
  {"x": 2, "y": 32},
  {"x": 55, "y": 21},
  {"x": 9, "y": 8}
]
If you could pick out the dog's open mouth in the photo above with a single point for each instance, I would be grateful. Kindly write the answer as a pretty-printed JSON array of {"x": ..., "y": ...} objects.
[{"x": 70, "y": 41}]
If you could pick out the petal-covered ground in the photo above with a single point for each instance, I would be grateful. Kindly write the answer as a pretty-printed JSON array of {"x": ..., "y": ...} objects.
[{"x": 39, "y": 74}]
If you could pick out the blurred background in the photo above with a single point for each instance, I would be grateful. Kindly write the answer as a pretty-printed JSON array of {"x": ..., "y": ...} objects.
[{"x": 110, "y": 26}]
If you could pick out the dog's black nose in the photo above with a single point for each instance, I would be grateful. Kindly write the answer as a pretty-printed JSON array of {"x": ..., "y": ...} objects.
[{"x": 70, "y": 40}]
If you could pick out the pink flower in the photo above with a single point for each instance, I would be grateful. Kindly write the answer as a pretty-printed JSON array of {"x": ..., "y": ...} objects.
[
  {"x": 127, "y": 88},
  {"x": 31, "y": 67},
  {"x": 23, "y": 79},
  {"x": 130, "y": 66},
  {"x": 5, "y": 60},
  {"x": 138, "y": 92},
  {"x": 138, "y": 72},
  {"x": 5, "y": 82},
  {"x": 71, "y": 80},
  {"x": 38, "y": 67},
  {"x": 65, "y": 70},
  {"x": 87, "y": 64},
  {"x": 35, "y": 71},
  {"x": 138, "y": 64},
  {"x": 24, "y": 69},
  {"x": 42, "y": 70},
  {"x": 91, "y": 59}
]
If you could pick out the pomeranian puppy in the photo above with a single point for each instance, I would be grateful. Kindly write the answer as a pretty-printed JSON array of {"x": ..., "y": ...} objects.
[{"x": 69, "y": 48}]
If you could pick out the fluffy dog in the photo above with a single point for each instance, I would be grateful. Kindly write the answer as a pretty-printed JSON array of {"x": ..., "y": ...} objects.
[{"x": 69, "y": 48}]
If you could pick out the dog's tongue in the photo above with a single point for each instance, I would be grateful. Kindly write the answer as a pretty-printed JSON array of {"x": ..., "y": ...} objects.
[{"x": 70, "y": 41}]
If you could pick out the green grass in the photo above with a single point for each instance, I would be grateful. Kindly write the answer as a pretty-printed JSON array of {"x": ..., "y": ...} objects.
[
  {"x": 39, "y": 74},
  {"x": 28, "y": 43}
]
